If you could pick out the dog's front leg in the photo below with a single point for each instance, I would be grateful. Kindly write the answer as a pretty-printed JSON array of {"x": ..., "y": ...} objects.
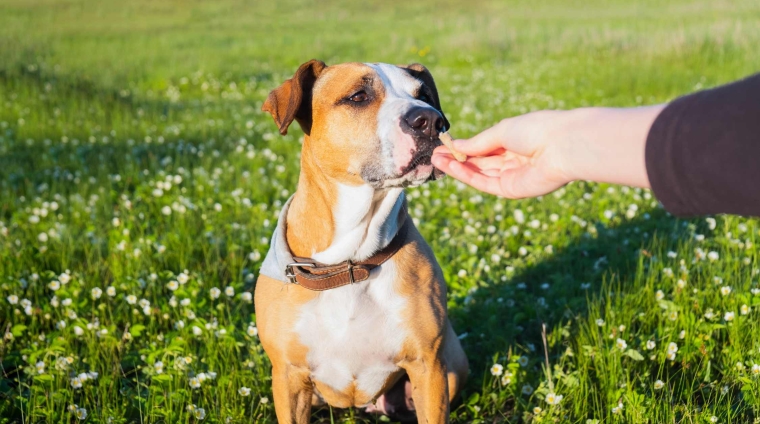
[
  {"x": 430, "y": 390},
  {"x": 292, "y": 392}
]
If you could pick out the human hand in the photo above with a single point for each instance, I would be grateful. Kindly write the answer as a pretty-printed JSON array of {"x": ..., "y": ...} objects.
[
  {"x": 536, "y": 153},
  {"x": 516, "y": 158}
]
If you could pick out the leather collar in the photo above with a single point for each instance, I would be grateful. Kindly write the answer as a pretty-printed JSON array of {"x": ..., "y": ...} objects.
[{"x": 316, "y": 276}]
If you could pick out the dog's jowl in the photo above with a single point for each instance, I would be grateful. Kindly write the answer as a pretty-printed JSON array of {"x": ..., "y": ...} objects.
[{"x": 351, "y": 303}]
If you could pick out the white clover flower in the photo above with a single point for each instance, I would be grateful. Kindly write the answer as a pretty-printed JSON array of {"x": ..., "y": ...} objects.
[
  {"x": 658, "y": 385},
  {"x": 739, "y": 367},
  {"x": 681, "y": 283},
  {"x": 252, "y": 331},
  {"x": 64, "y": 278},
  {"x": 81, "y": 414},
  {"x": 96, "y": 293},
  {"x": 682, "y": 334},
  {"x": 264, "y": 400},
  {"x": 76, "y": 383},
  {"x": 158, "y": 367},
  {"x": 60, "y": 325},
  {"x": 711, "y": 223},
  {"x": 519, "y": 216},
  {"x": 668, "y": 272},
  {"x": 673, "y": 316},
  {"x": 54, "y": 285},
  {"x": 659, "y": 295},
  {"x": 12, "y": 299},
  {"x": 618, "y": 409},
  {"x": 729, "y": 316},
  {"x": 744, "y": 309},
  {"x": 522, "y": 251},
  {"x": 755, "y": 369},
  {"x": 536, "y": 410},
  {"x": 527, "y": 389},
  {"x": 217, "y": 207},
  {"x": 40, "y": 366},
  {"x": 229, "y": 291},
  {"x": 246, "y": 297},
  {"x": 672, "y": 347},
  {"x": 523, "y": 361},
  {"x": 600, "y": 322},
  {"x": 185, "y": 302},
  {"x": 713, "y": 256},
  {"x": 111, "y": 291},
  {"x": 172, "y": 285},
  {"x": 131, "y": 299},
  {"x": 553, "y": 399},
  {"x": 173, "y": 302},
  {"x": 672, "y": 254},
  {"x": 183, "y": 278},
  {"x": 651, "y": 344},
  {"x": 497, "y": 369},
  {"x": 78, "y": 331},
  {"x": 200, "y": 414},
  {"x": 215, "y": 293},
  {"x": 717, "y": 280},
  {"x": 713, "y": 419},
  {"x": 166, "y": 210},
  {"x": 709, "y": 314},
  {"x": 725, "y": 290},
  {"x": 621, "y": 344},
  {"x": 195, "y": 383},
  {"x": 179, "y": 325},
  {"x": 197, "y": 331},
  {"x": 42, "y": 237},
  {"x": 244, "y": 391}
]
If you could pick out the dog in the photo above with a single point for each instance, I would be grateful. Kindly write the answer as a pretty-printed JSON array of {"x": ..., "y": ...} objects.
[{"x": 350, "y": 301}]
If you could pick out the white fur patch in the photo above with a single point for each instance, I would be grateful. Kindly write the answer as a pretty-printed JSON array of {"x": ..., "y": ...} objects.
[
  {"x": 354, "y": 332},
  {"x": 400, "y": 88},
  {"x": 359, "y": 216}
]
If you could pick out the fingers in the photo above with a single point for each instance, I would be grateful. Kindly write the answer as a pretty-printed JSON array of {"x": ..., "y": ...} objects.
[
  {"x": 481, "y": 144},
  {"x": 462, "y": 172}
]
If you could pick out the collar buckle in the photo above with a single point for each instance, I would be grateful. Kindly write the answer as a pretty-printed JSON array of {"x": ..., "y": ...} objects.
[
  {"x": 290, "y": 272},
  {"x": 350, "y": 271}
]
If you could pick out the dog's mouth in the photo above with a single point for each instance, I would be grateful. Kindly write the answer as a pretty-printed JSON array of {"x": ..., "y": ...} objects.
[{"x": 422, "y": 159}]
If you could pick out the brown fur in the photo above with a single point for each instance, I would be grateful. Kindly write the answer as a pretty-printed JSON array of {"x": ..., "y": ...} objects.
[{"x": 335, "y": 142}]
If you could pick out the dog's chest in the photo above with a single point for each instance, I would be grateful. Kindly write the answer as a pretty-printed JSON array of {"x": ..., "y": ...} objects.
[{"x": 354, "y": 333}]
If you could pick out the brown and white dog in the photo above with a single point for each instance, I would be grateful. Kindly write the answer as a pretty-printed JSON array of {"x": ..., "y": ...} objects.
[{"x": 370, "y": 130}]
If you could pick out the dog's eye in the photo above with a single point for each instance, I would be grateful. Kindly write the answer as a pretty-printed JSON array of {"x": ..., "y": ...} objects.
[
  {"x": 359, "y": 97},
  {"x": 424, "y": 97}
]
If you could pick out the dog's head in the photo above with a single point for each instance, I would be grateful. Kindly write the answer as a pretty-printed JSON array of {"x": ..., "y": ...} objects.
[{"x": 366, "y": 123}]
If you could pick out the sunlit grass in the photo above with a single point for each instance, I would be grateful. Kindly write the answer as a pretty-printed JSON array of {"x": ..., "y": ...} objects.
[{"x": 139, "y": 184}]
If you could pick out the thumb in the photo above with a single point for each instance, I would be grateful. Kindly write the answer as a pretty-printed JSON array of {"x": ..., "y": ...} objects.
[{"x": 486, "y": 142}]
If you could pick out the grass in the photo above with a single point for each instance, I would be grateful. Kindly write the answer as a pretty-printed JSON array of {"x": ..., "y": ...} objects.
[{"x": 134, "y": 160}]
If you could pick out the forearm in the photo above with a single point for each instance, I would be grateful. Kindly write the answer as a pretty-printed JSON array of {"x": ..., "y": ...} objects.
[{"x": 606, "y": 144}]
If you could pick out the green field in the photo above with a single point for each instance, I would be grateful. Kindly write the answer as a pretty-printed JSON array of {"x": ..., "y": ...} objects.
[{"x": 140, "y": 182}]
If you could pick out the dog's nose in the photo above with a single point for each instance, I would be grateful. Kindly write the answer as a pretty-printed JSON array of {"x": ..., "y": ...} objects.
[{"x": 424, "y": 120}]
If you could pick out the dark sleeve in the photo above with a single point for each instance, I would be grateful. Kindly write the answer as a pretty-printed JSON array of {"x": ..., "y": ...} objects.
[{"x": 703, "y": 151}]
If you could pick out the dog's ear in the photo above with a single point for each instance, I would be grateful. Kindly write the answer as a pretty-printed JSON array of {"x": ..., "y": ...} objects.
[
  {"x": 292, "y": 99},
  {"x": 421, "y": 73}
]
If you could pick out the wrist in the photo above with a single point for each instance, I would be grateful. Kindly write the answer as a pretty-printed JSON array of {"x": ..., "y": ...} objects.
[
  {"x": 573, "y": 143},
  {"x": 607, "y": 144}
]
